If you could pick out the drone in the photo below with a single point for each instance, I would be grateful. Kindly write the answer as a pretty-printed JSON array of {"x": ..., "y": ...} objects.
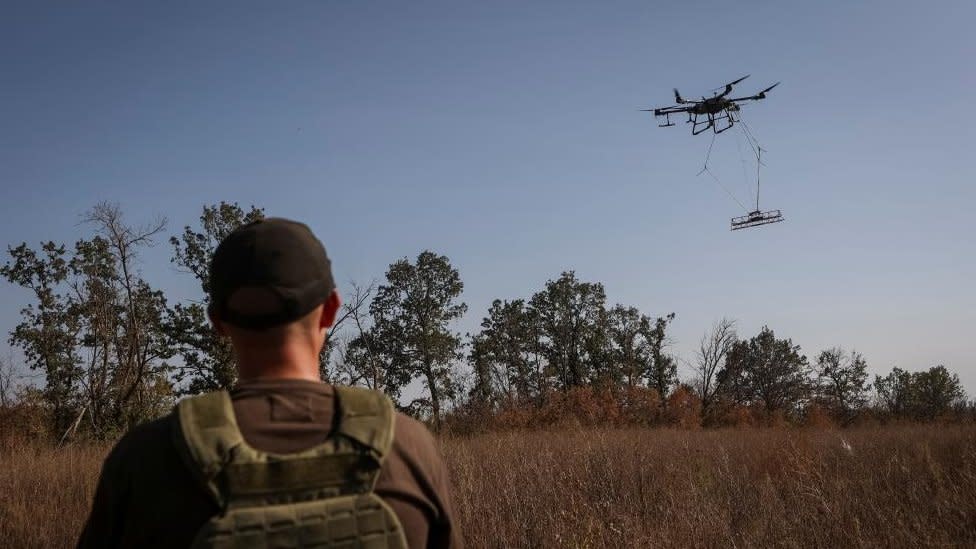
[{"x": 719, "y": 112}]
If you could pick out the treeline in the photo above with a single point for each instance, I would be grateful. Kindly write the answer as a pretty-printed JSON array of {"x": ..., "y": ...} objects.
[{"x": 112, "y": 351}]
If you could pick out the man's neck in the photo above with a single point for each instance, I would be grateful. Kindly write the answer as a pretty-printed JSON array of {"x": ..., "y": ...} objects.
[
  {"x": 252, "y": 365},
  {"x": 266, "y": 375}
]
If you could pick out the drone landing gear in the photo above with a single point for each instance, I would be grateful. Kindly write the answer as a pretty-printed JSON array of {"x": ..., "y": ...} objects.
[
  {"x": 667, "y": 121},
  {"x": 718, "y": 124}
]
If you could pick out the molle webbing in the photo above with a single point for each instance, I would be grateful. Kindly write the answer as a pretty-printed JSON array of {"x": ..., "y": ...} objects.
[
  {"x": 322, "y": 476},
  {"x": 363, "y": 522}
]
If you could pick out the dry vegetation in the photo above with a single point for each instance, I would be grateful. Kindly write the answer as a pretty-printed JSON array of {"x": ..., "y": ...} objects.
[
  {"x": 904, "y": 486},
  {"x": 45, "y": 493},
  {"x": 888, "y": 486}
]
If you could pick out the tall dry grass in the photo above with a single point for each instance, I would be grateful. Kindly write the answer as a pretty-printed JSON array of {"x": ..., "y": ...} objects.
[
  {"x": 45, "y": 493},
  {"x": 890, "y": 487},
  {"x": 894, "y": 486}
]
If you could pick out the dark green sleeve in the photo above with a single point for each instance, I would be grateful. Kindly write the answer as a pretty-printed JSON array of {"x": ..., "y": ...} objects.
[{"x": 104, "y": 525}]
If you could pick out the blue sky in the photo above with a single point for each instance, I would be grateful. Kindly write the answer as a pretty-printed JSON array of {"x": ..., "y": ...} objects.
[{"x": 507, "y": 136}]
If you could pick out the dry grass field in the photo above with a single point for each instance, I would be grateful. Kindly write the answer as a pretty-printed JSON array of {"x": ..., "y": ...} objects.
[
  {"x": 896, "y": 486},
  {"x": 887, "y": 487}
]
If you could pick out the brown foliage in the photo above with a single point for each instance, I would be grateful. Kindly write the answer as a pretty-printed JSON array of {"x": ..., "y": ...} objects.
[
  {"x": 579, "y": 406},
  {"x": 27, "y": 419},
  {"x": 683, "y": 409},
  {"x": 817, "y": 416}
]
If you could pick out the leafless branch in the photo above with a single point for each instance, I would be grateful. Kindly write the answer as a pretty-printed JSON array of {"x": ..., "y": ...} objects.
[{"x": 712, "y": 351}]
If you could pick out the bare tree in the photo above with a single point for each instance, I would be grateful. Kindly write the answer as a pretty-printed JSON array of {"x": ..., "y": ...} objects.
[
  {"x": 713, "y": 349},
  {"x": 353, "y": 316},
  {"x": 136, "y": 337},
  {"x": 362, "y": 359}
]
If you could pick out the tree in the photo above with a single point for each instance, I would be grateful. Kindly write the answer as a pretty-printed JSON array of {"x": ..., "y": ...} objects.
[
  {"x": 47, "y": 333},
  {"x": 936, "y": 391},
  {"x": 635, "y": 354},
  {"x": 919, "y": 395},
  {"x": 207, "y": 362},
  {"x": 505, "y": 354},
  {"x": 570, "y": 316},
  {"x": 137, "y": 377},
  {"x": 95, "y": 327},
  {"x": 713, "y": 349},
  {"x": 841, "y": 381},
  {"x": 765, "y": 371},
  {"x": 895, "y": 391},
  {"x": 631, "y": 353},
  {"x": 412, "y": 315},
  {"x": 663, "y": 371},
  {"x": 360, "y": 360}
]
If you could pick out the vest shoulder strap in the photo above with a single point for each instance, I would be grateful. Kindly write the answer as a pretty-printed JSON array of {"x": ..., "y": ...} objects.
[
  {"x": 209, "y": 428},
  {"x": 206, "y": 433},
  {"x": 368, "y": 417}
]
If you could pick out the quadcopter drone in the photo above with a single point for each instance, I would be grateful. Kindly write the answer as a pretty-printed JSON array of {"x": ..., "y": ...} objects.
[{"x": 719, "y": 112}]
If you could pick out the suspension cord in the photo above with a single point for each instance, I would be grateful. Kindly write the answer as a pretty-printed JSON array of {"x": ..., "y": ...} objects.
[
  {"x": 753, "y": 142},
  {"x": 758, "y": 163},
  {"x": 742, "y": 160},
  {"x": 705, "y": 169},
  {"x": 708, "y": 154},
  {"x": 727, "y": 191},
  {"x": 757, "y": 149}
]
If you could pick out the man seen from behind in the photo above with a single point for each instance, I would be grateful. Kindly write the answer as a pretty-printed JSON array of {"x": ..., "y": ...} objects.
[{"x": 282, "y": 459}]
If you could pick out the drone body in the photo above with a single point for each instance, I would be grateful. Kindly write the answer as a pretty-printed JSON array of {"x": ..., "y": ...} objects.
[{"x": 719, "y": 112}]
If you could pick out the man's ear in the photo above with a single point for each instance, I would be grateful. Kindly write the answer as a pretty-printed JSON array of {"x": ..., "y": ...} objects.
[
  {"x": 218, "y": 326},
  {"x": 330, "y": 309}
]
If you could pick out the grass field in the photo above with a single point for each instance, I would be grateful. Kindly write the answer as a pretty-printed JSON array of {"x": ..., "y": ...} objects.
[{"x": 900, "y": 486}]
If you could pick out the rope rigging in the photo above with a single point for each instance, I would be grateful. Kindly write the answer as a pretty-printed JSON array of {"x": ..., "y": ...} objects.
[{"x": 757, "y": 151}]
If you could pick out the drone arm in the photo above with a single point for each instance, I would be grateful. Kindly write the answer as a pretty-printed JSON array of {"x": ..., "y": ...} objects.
[
  {"x": 758, "y": 96},
  {"x": 669, "y": 110},
  {"x": 749, "y": 98}
]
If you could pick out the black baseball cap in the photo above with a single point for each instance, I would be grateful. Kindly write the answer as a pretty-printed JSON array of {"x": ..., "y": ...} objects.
[{"x": 267, "y": 273}]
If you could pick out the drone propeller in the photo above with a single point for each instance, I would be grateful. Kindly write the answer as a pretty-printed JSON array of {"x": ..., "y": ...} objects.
[
  {"x": 769, "y": 88},
  {"x": 730, "y": 84},
  {"x": 734, "y": 82},
  {"x": 677, "y": 97}
]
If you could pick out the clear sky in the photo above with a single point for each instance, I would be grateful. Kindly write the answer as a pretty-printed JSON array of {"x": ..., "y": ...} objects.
[{"x": 507, "y": 136}]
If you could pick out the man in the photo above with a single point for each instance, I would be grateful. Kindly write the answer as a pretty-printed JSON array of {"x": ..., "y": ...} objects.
[{"x": 281, "y": 443}]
